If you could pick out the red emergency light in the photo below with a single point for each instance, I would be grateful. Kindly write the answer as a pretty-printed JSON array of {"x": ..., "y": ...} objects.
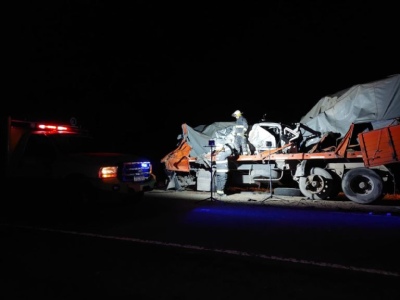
[
  {"x": 44, "y": 126},
  {"x": 53, "y": 127}
]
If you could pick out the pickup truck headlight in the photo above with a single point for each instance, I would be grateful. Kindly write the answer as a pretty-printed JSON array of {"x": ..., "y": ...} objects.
[{"x": 108, "y": 172}]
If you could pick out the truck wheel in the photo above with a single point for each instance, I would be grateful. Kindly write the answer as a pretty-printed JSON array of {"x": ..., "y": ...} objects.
[
  {"x": 319, "y": 185},
  {"x": 362, "y": 185}
]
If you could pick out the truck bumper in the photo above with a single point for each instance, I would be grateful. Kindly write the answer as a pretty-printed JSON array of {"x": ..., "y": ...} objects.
[{"x": 124, "y": 188}]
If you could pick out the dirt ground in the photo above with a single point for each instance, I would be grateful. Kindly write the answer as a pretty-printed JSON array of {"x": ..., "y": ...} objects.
[{"x": 390, "y": 204}]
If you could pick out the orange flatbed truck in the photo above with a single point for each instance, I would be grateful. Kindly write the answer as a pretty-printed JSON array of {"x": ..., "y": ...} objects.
[{"x": 364, "y": 165}]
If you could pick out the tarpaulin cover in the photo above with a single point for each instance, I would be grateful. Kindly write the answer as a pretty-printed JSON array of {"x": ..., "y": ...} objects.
[
  {"x": 199, "y": 137},
  {"x": 374, "y": 102}
]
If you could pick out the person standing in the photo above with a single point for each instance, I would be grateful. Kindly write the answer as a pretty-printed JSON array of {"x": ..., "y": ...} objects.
[
  {"x": 223, "y": 150},
  {"x": 240, "y": 130}
]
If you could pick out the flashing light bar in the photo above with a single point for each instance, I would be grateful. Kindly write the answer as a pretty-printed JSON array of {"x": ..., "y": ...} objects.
[
  {"x": 50, "y": 127},
  {"x": 53, "y": 127}
]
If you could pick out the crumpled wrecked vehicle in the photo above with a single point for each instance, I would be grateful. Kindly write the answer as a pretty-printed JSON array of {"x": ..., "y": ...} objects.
[{"x": 348, "y": 142}]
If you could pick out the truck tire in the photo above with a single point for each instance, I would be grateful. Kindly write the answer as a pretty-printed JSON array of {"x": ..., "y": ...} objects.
[
  {"x": 362, "y": 185},
  {"x": 319, "y": 185}
]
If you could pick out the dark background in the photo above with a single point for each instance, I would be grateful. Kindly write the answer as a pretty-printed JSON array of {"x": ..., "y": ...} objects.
[{"x": 137, "y": 70}]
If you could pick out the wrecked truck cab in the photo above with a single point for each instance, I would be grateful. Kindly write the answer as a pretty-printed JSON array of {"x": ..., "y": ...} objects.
[{"x": 188, "y": 167}]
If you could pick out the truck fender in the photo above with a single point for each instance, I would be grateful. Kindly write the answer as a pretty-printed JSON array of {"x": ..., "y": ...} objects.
[{"x": 300, "y": 169}]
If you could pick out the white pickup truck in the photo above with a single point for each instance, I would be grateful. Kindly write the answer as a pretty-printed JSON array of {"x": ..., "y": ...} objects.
[{"x": 62, "y": 160}]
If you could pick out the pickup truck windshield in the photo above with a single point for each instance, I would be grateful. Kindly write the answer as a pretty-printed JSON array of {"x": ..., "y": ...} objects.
[{"x": 72, "y": 143}]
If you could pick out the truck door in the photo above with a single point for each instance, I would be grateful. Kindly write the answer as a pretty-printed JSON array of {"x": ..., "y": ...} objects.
[{"x": 36, "y": 160}]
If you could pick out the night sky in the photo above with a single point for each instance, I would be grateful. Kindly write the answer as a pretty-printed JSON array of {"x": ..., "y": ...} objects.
[{"x": 139, "y": 69}]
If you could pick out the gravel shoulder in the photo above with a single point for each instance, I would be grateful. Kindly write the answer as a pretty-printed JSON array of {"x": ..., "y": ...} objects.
[{"x": 385, "y": 206}]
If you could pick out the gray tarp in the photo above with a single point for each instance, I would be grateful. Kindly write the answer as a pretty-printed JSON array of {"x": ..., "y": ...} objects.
[
  {"x": 369, "y": 102},
  {"x": 377, "y": 102},
  {"x": 199, "y": 136}
]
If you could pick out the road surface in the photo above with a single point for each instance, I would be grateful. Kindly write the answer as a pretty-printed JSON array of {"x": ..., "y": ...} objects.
[{"x": 177, "y": 245}]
